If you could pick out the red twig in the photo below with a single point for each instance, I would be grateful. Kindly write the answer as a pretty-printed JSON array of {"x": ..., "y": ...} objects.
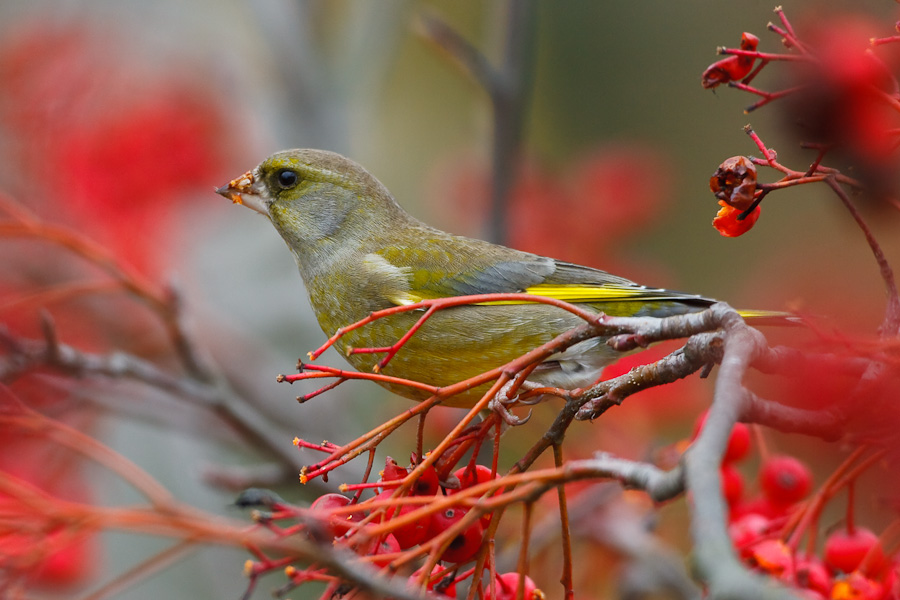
[
  {"x": 885, "y": 40},
  {"x": 891, "y": 322},
  {"x": 788, "y": 32},
  {"x": 761, "y": 55},
  {"x": 320, "y": 371},
  {"x": 767, "y": 97},
  {"x": 435, "y": 304}
]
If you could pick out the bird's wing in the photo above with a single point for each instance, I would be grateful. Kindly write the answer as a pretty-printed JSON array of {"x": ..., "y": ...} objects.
[
  {"x": 440, "y": 267},
  {"x": 452, "y": 266}
]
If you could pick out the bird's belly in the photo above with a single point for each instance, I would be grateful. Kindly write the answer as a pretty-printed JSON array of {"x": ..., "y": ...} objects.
[{"x": 459, "y": 343}]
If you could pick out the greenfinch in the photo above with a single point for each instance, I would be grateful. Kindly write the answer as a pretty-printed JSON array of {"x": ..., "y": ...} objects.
[{"x": 358, "y": 251}]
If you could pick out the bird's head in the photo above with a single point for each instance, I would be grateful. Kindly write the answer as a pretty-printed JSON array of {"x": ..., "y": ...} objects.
[{"x": 318, "y": 200}]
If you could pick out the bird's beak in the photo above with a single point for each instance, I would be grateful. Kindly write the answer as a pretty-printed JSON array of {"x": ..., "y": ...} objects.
[{"x": 241, "y": 191}]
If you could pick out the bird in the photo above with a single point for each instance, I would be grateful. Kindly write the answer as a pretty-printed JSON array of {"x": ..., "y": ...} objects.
[{"x": 358, "y": 251}]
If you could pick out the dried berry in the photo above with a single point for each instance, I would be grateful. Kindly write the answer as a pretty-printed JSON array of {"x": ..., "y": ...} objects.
[{"x": 734, "y": 182}]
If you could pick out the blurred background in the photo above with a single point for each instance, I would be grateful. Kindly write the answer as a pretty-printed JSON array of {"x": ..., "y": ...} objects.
[{"x": 119, "y": 119}]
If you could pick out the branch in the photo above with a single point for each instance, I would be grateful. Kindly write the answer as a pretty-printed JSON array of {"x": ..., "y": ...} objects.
[
  {"x": 26, "y": 355},
  {"x": 891, "y": 324},
  {"x": 714, "y": 555}
]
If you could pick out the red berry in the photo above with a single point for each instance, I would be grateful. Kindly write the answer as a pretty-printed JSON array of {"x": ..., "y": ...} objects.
[
  {"x": 469, "y": 477},
  {"x": 812, "y": 574},
  {"x": 738, "y": 442},
  {"x": 472, "y": 476},
  {"x": 508, "y": 583},
  {"x": 445, "y": 585},
  {"x": 732, "y": 484},
  {"x": 890, "y": 581},
  {"x": 773, "y": 557},
  {"x": 857, "y": 586},
  {"x": 759, "y": 506},
  {"x": 387, "y": 545},
  {"x": 785, "y": 480},
  {"x": 413, "y": 533},
  {"x": 728, "y": 224},
  {"x": 338, "y": 525},
  {"x": 467, "y": 543},
  {"x": 62, "y": 561},
  {"x": 746, "y": 531},
  {"x": 427, "y": 484},
  {"x": 845, "y": 551}
]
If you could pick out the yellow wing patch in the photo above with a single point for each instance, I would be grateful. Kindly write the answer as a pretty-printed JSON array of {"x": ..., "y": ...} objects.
[
  {"x": 598, "y": 293},
  {"x": 613, "y": 294}
]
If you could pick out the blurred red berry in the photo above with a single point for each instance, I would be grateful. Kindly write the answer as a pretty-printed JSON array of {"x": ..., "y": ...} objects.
[
  {"x": 732, "y": 484},
  {"x": 445, "y": 586},
  {"x": 387, "y": 545},
  {"x": 856, "y": 586},
  {"x": 843, "y": 98},
  {"x": 727, "y": 223},
  {"x": 774, "y": 558},
  {"x": 466, "y": 544},
  {"x": 747, "y": 531},
  {"x": 127, "y": 144},
  {"x": 738, "y": 441},
  {"x": 126, "y": 172},
  {"x": 760, "y": 506},
  {"x": 70, "y": 562},
  {"x": 621, "y": 189},
  {"x": 785, "y": 479},
  {"x": 56, "y": 560},
  {"x": 49, "y": 554},
  {"x": 507, "y": 584},
  {"x": 538, "y": 205},
  {"x": 844, "y": 551},
  {"x": 812, "y": 574}
]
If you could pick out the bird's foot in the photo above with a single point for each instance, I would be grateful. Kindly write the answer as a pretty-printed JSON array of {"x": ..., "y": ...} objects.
[{"x": 502, "y": 402}]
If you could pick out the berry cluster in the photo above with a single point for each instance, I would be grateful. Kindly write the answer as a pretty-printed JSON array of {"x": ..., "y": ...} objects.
[
  {"x": 767, "y": 529},
  {"x": 408, "y": 518},
  {"x": 842, "y": 98}
]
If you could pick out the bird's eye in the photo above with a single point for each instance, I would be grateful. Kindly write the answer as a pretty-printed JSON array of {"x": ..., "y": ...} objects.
[{"x": 287, "y": 178}]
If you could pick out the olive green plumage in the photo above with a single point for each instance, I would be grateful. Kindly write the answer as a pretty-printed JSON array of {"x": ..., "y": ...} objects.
[{"x": 358, "y": 251}]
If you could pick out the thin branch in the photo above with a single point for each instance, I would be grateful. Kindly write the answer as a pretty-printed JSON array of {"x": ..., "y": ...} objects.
[
  {"x": 891, "y": 324},
  {"x": 26, "y": 355}
]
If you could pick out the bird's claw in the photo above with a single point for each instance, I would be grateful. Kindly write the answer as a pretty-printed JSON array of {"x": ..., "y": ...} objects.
[
  {"x": 502, "y": 400},
  {"x": 508, "y": 418}
]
